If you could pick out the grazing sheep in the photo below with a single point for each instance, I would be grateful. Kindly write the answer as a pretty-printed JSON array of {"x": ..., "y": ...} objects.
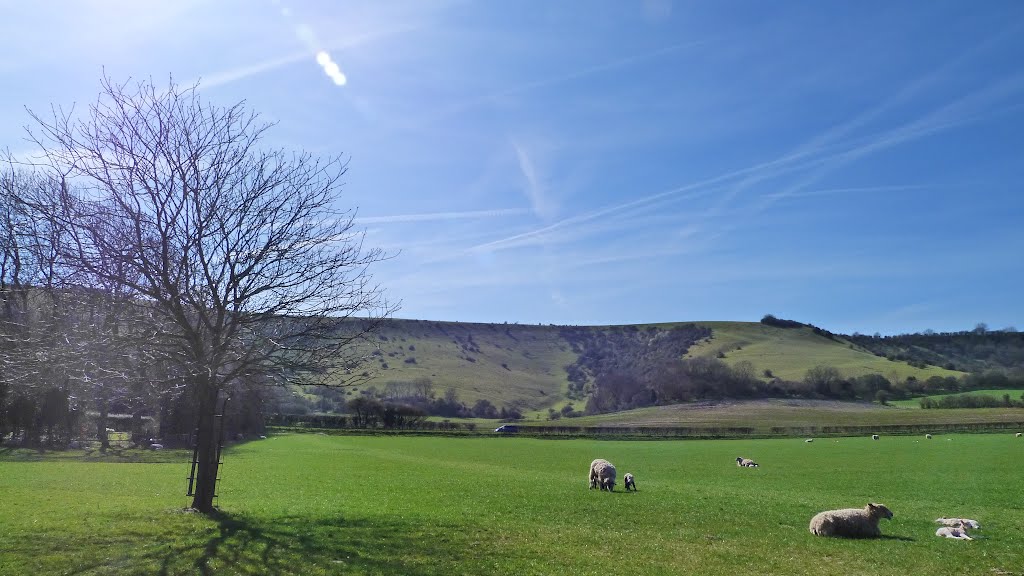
[
  {"x": 955, "y": 522},
  {"x": 956, "y": 532},
  {"x": 928, "y": 436},
  {"x": 809, "y": 440},
  {"x": 850, "y": 522},
  {"x": 874, "y": 436},
  {"x": 745, "y": 462},
  {"x": 630, "y": 481},
  {"x": 602, "y": 475}
]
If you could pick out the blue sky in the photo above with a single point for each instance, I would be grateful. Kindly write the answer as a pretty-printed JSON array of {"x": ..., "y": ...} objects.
[{"x": 858, "y": 165}]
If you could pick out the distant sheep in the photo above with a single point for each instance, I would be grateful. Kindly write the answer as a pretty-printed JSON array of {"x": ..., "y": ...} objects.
[
  {"x": 602, "y": 475},
  {"x": 956, "y": 532},
  {"x": 928, "y": 436},
  {"x": 874, "y": 436},
  {"x": 630, "y": 481},
  {"x": 1017, "y": 435},
  {"x": 809, "y": 440},
  {"x": 745, "y": 462},
  {"x": 965, "y": 522},
  {"x": 850, "y": 522}
]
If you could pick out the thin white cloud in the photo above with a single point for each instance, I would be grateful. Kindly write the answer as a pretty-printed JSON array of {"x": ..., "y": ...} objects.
[
  {"x": 534, "y": 186},
  {"x": 436, "y": 216},
  {"x": 522, "y": 87},
  {"x": 309, "y": 54},
  {"x": 841, "y": 191}
]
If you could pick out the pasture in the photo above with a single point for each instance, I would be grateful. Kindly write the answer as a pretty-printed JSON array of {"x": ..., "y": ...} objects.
[
  {"x": 315, "y": 504},
  {"x": 1015, "y": 394}
]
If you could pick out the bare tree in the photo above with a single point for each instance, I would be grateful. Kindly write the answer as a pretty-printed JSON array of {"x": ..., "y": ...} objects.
[{"x": 239, "y": 250}]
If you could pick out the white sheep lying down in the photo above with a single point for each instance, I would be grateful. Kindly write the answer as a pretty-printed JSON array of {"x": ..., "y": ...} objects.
[
  {"x": 602, "y": 475},
  {"x": 956, "y": 533},
  {"x": 955, "y": 522},
  {"x": 850, "y": 522}
]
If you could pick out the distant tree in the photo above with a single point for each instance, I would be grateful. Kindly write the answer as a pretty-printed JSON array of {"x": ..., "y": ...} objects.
[
  {"x": 484, "y": 409},
  {"x": 825, "y": 380}
]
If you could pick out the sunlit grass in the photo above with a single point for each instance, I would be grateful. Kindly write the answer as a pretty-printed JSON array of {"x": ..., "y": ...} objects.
[
  {"x": 916, "y": 402},
  {"x": 311, "y": 504}
]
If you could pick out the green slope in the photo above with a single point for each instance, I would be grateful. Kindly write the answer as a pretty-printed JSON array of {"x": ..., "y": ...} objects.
[
  {"x": 504, "y": 363},
  {"x": 790, "y": 352},
  {"x": 524, "y": 366}
]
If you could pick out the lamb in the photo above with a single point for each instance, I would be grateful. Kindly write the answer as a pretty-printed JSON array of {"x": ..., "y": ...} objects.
[
  {"x": 958, "y": 532},
  {"x": 850, "y": 522},
  {"x": 602, "y": 474},
  {"x": 955, "y": 522},
  {"x": 928, "y": 436},
  {"x": 630, "y": 481},
  {"x": 874, "y": 436},
  {"x": 1017, "y": 435},
  {"x": 745, "y": 462},
  {"x": 809, "y": 440}
]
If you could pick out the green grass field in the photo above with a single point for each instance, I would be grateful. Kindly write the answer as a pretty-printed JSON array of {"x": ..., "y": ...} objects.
[
  {"x": 916, "y": 402},
  {"x": 766, "y": 413},
  {"x": 790, "y": 352},
  {"x": 313, "y": 504}
]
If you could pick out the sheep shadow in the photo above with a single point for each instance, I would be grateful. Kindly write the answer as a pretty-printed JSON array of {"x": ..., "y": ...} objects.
[{"x": 893, "y": 537}]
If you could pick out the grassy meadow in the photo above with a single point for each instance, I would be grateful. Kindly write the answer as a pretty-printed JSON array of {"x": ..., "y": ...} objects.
[
  {"x": 916, "y": 402},
  {"x": 765, "y": 413},
  {"x": 790, "y": 352},
  {"x": 315, "y": 504}
]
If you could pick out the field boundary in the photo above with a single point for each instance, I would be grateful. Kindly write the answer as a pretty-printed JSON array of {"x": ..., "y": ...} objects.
[{"x": 684, "y": 432}]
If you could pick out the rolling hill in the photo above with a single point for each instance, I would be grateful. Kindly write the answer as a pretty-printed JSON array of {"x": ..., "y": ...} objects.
[{"x": 525, "y": 366}]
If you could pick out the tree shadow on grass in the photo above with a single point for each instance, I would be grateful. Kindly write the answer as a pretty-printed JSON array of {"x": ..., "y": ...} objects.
[{"x": 302, "y": 545}]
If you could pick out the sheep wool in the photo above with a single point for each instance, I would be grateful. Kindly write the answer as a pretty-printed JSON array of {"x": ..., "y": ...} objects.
[
  {"x": 602, "y": 475},
  {"x": 956, "y": 533},
  {"x": 850, "y": 522},
  {"x": 956, "y": 522}
]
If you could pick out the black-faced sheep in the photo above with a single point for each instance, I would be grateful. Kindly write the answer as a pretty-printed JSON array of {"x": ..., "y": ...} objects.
[
  {"x": 874, "y": 436},
  {"x": 630, "y": 481},
  {"x": 745, "y": 462},
  {"x": 602, "y": 475},
  {"x": 850, "y": 522}
]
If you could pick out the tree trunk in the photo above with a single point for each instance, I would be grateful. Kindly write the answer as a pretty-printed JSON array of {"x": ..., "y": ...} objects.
[
  {"x": 206, "y": 440},
  {"x": 101, "y": 426}
]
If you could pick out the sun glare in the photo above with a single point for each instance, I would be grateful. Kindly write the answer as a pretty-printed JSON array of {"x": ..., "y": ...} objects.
[{"x": 331, "y": 68}]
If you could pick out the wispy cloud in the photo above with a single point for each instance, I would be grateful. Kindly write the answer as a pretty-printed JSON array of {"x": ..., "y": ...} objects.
[
  {"x": 524, "y": 87},
  {"x": 308, "y": 54},
  {"x": 533, "y": 186},
  {"x": 437, "y": 216},
  {"x": 843, "y": 191}
]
